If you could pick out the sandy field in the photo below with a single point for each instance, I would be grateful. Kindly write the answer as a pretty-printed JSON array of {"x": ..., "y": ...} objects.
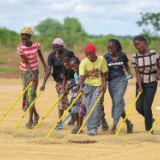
[{"x": 25, "y": 144}]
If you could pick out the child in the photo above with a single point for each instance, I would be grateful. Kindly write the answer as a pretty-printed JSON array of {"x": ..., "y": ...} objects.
[
  {"x": 146, "y": 63},
  {"x": 94, "y": 69},
  {"x": 74, "y": 65},
  {"x": 29, "y": 69},
  {"x": 68, "y": 79},
  {"x": 117, "y": 83}
]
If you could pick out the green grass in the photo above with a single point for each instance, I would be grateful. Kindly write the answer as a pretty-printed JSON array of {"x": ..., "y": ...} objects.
[{"x": 7, "y": 70}]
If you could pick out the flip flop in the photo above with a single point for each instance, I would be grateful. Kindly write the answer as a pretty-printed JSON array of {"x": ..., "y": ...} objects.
[
  {"x": 29, "y": 125},
  {"x": 92, "y": 133},
  {"x": 112, "y": 131},
  {"x": 105, "y": 126},
  {"x": 75, "y": 130},
  {"x": 71, "y": 122}
]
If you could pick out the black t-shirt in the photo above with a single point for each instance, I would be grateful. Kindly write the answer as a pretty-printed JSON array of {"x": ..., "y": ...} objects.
[
  {"x": 68, "y": 73},
  {"x": 57, "y": 66},
  {"x": 116, "y": 68}
]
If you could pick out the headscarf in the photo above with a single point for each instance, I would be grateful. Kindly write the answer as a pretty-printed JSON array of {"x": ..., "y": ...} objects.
[
  {"x": 59, "y": 42},
  {"x": 68, "y": 53},
  {"x": 27, "y": 30},
  {"x": 117, "y": 43},
  {"x": 91, "y": 47},
  {"x": 140, "y": 38}
]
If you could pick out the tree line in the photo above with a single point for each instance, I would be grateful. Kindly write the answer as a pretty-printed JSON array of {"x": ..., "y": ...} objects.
[{"x": 75, "y": 37}]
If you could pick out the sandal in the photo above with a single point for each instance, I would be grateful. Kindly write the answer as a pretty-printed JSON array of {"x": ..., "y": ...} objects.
[
  {"x": 75, "y": 130},
  {"x": 35, "y": 122},
  {"x": 129, "y": 131},
  {"x": 105, "y": 126},
  {"x": 112, "y": 131},
  {"x": 61, "y": 127},
  {"x": 71, "y": 122},
  {"x": 92, "y": 133},
  {"x": 29, "y": 125}
]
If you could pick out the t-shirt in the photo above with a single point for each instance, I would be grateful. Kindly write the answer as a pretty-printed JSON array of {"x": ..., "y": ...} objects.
[
  {"x": 30, "y": 53},
  {"x": 57, "y": 66},
  {"x": 93, "y": 70},
  {"x": 116, "y": 68},
  {"x": 68, "y": 73},
  {"x": 76, "y": 77},
  {"x": 147, "y": 65}
]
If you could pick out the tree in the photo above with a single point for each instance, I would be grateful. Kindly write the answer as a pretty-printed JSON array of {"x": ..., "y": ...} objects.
[
  {"x": 49, "y": 26},
  {"x": 73, "y": 25},
  {"x": 150, "y": 20}
]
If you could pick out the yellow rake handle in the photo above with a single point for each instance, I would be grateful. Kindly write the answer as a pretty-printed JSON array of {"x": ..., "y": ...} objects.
[
  {"x": 27, "y": 110},
  {"x": 128, "y": 113},
  {"x": 48, "y": 112},
  {"x": 154, "y": 125},
  {"x": 63, "y": 115},
  {"x": 16, "y": 101},
  {"x": 90, "y": 113}
]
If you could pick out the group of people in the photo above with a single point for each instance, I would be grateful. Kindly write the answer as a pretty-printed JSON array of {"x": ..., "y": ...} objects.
[{"x": 90, "y": 77}]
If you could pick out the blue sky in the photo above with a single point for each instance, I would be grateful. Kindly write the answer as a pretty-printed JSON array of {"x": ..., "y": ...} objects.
[{"x": 117, "y": 17}]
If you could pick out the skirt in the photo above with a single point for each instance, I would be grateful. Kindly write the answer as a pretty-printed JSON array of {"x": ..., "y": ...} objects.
[
  {"x": 30, "y": 94},
  {"x": 74, "y": 94},
  {"x": 117, "y": 88},
  {"x": 64, "y": 102}
]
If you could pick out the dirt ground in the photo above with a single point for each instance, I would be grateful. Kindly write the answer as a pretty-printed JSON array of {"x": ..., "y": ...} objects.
[{"x": 26, "y": 144}]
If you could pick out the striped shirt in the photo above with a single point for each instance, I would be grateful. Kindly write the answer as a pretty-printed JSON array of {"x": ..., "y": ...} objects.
[{"x": 30, "y": 53}]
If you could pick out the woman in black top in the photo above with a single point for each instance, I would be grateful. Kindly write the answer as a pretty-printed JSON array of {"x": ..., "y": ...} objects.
[{"x": 55, "y": 60}]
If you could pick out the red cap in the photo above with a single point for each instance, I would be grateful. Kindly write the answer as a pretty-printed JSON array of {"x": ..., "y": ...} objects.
[{"x": 91, "y": 47}]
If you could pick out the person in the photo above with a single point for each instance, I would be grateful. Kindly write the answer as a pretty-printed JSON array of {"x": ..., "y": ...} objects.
[
  {"x": 29, "y": 70},
  {"x": 55, "y": 61},
  {"x": 117, "y": 83},
  {"x": 94, "y": 69},
  {"x": 146, "y": 63},
  {"x": 74, "y": 65},
  {"x": 68, "y": 79}
]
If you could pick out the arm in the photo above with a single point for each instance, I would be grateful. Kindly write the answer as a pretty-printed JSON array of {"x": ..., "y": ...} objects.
[
  {"x": 28, "y": 67},
  {"x": 47, "y": 74},
  {"x": 64, "y": 84},
  {"x": 81, "y": 81},
  {"x": 42, "y": 59},
  {"x": 103, "y": 86},
  {"x": 158, "y": 73},
  {"x": 106, "y": 75},
  {"x": 139, "y": 79},
  {"x": 74, "y": 84},
  {"x": 128, "y": 69}
]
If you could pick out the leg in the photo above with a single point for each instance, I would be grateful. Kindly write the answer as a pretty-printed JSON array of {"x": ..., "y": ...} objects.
[
  {"x": 31, "y": 115},
  {"x": 60, "y": 114},
  {"x": 91, "y": 94},
  {"x": 36, "y": 116},
  {"x": 128, "y": 123},
  {"x": 149, "y": 94},
  {"x": 117, "y": 88}
]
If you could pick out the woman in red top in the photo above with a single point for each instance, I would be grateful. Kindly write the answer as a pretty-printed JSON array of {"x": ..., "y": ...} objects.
[{"x": 29, "y": 70}]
